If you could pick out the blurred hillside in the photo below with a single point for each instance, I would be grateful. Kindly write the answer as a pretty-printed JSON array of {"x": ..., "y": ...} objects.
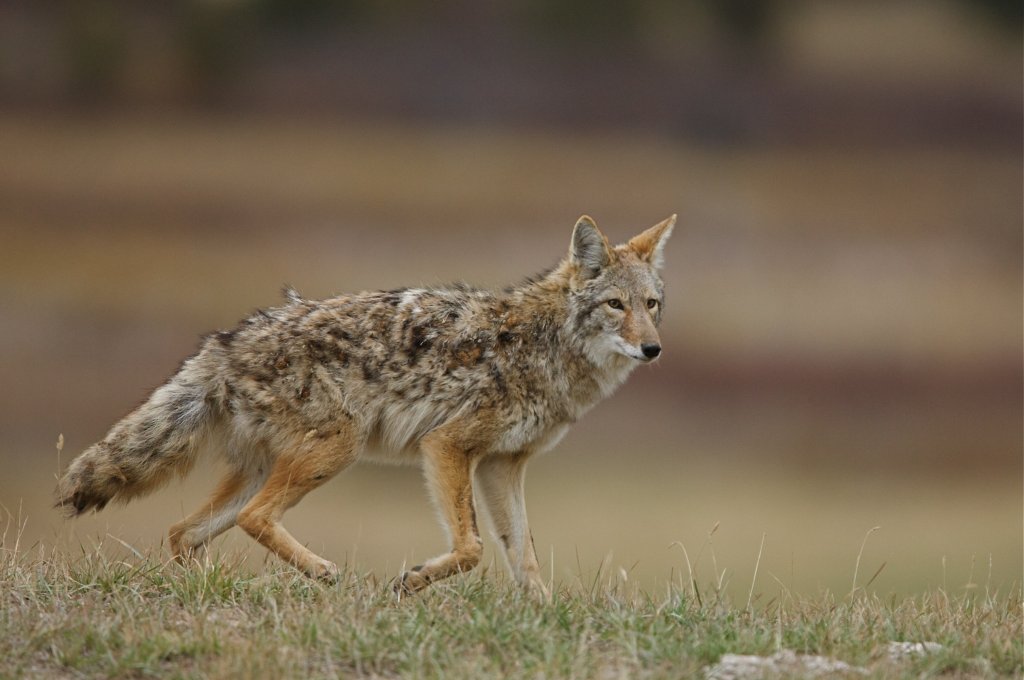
[
  {"x": 844, "y": 323},
  {"x": 722, "y": 72}
]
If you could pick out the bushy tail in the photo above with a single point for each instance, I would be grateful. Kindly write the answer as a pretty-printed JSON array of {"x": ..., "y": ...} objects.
[{"x": 142, "y": 451}]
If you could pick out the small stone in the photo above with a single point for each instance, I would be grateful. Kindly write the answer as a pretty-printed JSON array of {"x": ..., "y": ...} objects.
[
  {"x": 785, "y": 663},
  {"x": 901, "y": 651}
]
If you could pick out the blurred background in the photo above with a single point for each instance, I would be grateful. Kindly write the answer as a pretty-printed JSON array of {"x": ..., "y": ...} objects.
[{"x": 844, "y": 323}]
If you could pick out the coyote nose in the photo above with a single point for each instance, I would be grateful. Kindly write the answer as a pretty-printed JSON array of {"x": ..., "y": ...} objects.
[{"x": 650, "y": 350}]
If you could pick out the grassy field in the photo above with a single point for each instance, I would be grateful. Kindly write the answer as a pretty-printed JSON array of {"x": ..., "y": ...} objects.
[{"x": 87, "y": 616}]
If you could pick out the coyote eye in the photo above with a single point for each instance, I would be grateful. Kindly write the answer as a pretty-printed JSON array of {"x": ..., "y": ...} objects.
[
  {"x": 652, "y": 303},
  {"x": 615, "y": 303}
]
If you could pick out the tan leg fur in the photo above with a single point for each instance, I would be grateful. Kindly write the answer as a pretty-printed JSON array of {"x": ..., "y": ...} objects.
[
  {"x": 449, "y": 470},
  {"x": 500, "y": 482},
  {"x": 215, "y": 517},
  {"x": 293, "y": 475}
]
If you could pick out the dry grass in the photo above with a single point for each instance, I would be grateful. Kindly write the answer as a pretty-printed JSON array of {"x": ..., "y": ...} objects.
[{"x": 87, "y": 615}]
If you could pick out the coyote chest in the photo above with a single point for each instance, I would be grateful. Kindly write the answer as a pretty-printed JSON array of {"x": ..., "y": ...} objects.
[{"x": 536, "y": 439}]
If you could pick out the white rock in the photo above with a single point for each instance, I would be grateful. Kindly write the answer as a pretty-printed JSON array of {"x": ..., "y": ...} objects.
[
  {"x": 785, "y": 663},
  {"x": 901, "y": 651}
]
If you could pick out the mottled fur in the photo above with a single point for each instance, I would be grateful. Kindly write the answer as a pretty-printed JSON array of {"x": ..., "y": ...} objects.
[{"x": 469, "y": 383}]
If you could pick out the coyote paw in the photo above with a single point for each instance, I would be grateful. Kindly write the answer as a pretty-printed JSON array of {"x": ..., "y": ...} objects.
[
  {"x": 324, "y": 570},
  {"x": 184, "y": 551},
  {"x": 410, "y": 582},
  {"x": 538, "y": 591}
]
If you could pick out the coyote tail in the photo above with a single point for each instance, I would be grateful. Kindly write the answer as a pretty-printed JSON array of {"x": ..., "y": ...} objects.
[{"x": 142, "y": 451}]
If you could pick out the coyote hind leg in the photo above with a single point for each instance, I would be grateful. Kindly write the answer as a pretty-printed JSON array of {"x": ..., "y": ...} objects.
[
  {"x": 215, "y": 516},
  {"x": 294, "y": 474}
]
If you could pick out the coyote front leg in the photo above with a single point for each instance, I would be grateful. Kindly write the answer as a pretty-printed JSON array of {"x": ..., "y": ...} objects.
[
  {"x": 449, "y": 470},
  {"x": 500, "y": 480}
]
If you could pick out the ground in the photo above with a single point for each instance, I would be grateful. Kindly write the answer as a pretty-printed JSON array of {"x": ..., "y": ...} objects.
[{"x": 86, "y": 616}]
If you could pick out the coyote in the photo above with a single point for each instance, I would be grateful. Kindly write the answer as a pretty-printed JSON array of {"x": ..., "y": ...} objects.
[{"x": 468, "y": 383}]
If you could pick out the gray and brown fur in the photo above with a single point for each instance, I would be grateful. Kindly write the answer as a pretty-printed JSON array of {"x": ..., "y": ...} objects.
[{"x": 468, "y": 383}]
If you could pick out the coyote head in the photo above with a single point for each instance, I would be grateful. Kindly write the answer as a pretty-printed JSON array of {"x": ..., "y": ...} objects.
[{"x": 616, "y": 295}]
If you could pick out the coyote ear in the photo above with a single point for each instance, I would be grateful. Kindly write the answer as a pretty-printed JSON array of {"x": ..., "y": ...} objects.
[
  {"x": 589, "y": 249},
  {"x": 650, "y": 244}
]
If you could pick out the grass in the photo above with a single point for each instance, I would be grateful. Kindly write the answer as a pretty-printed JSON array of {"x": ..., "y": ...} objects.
[{"x": 89, "y": 615}]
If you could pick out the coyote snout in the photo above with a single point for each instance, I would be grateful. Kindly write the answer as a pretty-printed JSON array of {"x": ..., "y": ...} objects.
[
  {"x": 468, "y": 383},
  {"x": 651, "y": 350}
]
